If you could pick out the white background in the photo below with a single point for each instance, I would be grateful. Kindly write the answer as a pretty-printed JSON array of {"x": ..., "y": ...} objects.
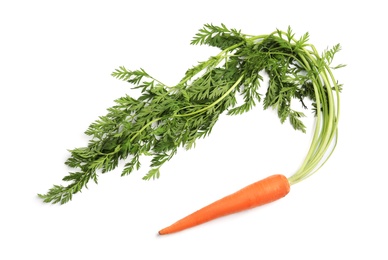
[{"x": 55, "y": 63}]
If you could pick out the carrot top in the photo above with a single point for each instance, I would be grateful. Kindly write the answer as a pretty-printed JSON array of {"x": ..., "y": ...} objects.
[{"x": 165, "y": 118}]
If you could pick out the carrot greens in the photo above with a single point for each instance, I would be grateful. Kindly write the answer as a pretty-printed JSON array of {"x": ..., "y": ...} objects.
[{"x": 165, "y": 118}]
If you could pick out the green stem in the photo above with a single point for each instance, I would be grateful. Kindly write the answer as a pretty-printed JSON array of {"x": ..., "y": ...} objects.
[
  {"x": 144, "y": 127},
  {"x": 301, "y": 173},
  {"x": 327, "y": 119}
]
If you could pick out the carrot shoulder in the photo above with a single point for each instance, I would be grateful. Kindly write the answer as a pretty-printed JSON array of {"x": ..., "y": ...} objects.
[{"x": 264, "y": 191}]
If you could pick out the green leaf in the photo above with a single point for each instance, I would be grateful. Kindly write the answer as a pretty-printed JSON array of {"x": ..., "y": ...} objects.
[
  {"x": 152, "y": 174},
  {"x": 339, "y": 66}
]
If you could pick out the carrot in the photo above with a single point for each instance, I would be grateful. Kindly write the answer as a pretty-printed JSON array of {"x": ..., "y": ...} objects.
[
  {"x": 165, "y": 118},
  {"x": 264, "y": 191}
]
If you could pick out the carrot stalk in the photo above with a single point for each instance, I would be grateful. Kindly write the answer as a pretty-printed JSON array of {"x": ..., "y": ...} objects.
[{"x": 259, "y": 193}]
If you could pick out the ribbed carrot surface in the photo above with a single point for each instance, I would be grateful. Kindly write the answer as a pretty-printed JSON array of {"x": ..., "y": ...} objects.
[{"x": 264, "y": 191}]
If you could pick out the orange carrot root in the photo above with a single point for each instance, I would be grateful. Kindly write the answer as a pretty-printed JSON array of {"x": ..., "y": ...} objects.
[{"x": 262, "y": 192}]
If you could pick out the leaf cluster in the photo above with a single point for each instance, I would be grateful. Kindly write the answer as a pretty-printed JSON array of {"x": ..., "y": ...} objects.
[{"x": 165, "y": 118}]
